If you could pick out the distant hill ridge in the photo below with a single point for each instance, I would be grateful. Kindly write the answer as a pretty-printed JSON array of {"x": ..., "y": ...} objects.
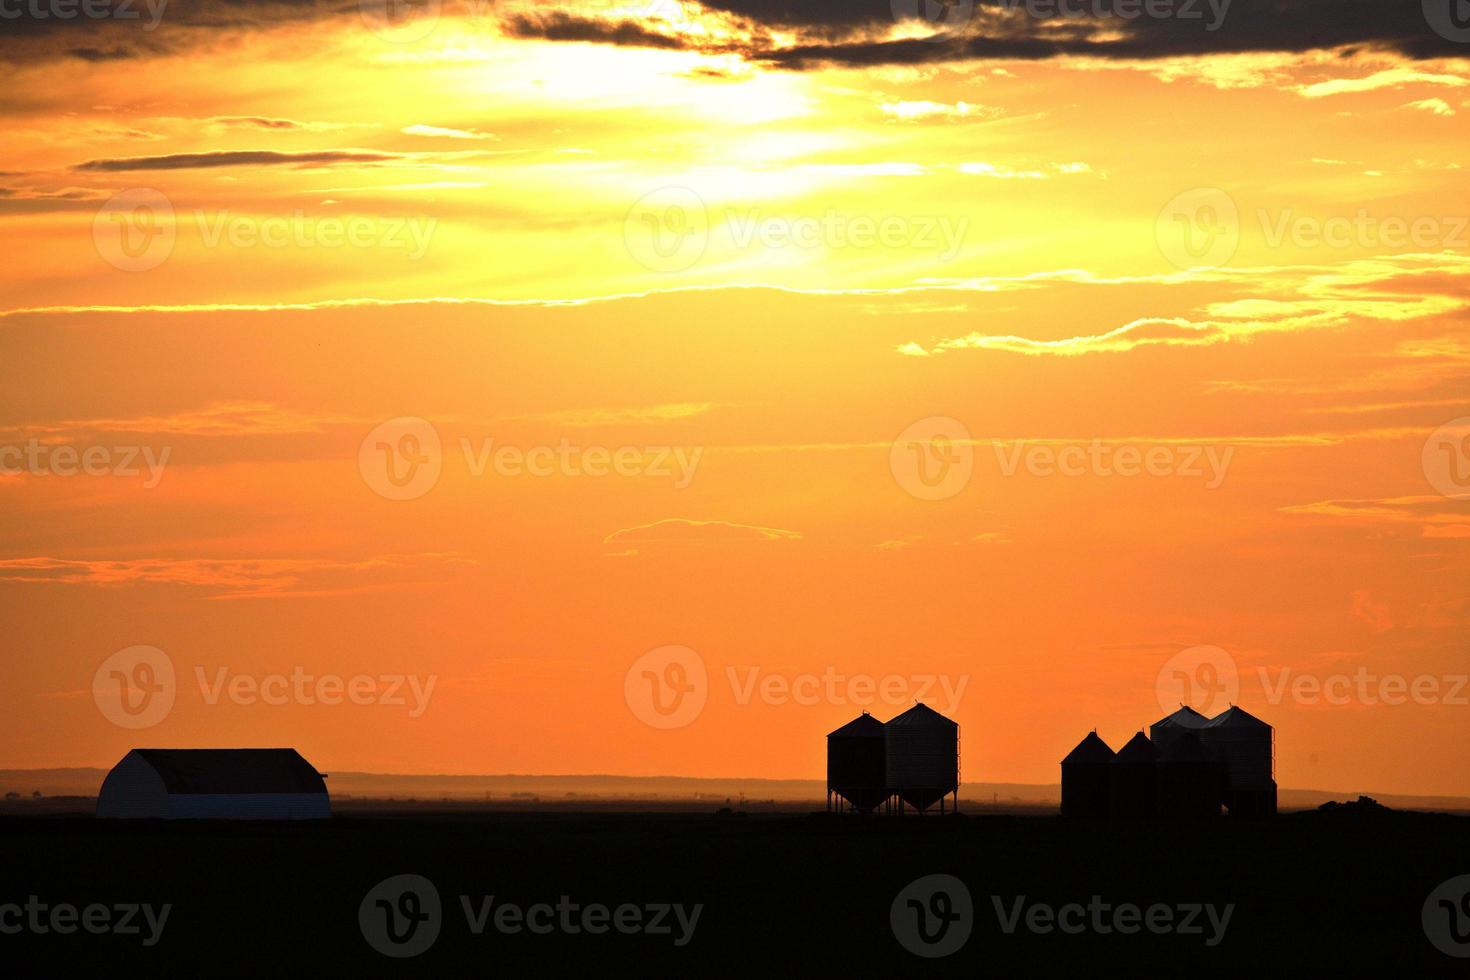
[{"x": 85, "y": 782}]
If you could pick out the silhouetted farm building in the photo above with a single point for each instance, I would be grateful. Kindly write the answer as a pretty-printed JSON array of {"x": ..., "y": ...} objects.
[
  {"x": 1085, "y": 775},
  {"x": 1133, "y": 779},
  {"x": 914, "y": 759},
  {"x": 219, "y": 784},
  {"x": 1190, "y": 767},
  {"x": 855, "y": 763}
]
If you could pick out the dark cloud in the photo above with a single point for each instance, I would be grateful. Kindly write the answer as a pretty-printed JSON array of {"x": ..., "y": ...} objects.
[
  {"x": 236, "y": 158},
  {"x": 845, "y": 32},
  {"x": 560, "y": 26}
]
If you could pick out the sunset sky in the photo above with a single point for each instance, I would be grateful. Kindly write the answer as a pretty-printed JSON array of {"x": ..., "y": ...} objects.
[{"x": 822, "y": 295}]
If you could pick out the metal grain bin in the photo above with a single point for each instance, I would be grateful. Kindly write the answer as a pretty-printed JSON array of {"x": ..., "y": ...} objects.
[
  {"x": 1247, "y": 747},
  {"x": 855, "y": 763},
  {"x": 922, "y": 756},
  {"x": 1169, "y": 729},
  {"x": 1191, "y": 781},
  {"x": 1133, "y": 786},
  {"x": 1085, "y": 778}
]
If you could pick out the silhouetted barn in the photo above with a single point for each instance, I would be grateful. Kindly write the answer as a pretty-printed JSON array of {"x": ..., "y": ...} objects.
[
  {"x": 855, "y": 763},
  {"x": 1085, "y": 778},
  {"x": 1246, "y": 746},
  {"x": 922, "y": 757},
  {"x": 220, "y": 784},
  {"x": 1191, "y": 781},
  {"x": 1133, "y": 783}
]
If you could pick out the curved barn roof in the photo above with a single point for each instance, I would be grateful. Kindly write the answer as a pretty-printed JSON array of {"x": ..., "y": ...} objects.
[
  {"x": 864, "y": 725},
  {"x": 1090, "y": 750},
  {"x": 233, "y": 770}
]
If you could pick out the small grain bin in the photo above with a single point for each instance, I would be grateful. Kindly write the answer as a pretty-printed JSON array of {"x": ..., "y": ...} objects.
[
  {"x": 922, "y": 749},
  {"x": 1085, "y": 776},
  {"x": 855, "y": 764},
  {"x": 1133, "y": 779}
]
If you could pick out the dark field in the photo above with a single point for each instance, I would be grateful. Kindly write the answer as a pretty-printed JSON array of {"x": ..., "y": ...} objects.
[{"x": 782, "y": 894}]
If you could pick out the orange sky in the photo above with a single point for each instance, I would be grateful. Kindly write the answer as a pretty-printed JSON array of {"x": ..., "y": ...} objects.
[{"x": 749, "y": 297}]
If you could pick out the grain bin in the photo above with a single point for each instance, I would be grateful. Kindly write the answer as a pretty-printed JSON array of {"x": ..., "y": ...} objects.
[
  {"x": 1085, "y": 778},
  {"x": 1169, "y": 729},
  {"x": 1191, "y": 781},
  {"x": 855, "y": 764},
  {"x": 1133, "y": 779},
  {"x": 922, "y": 749},
  {"x": 1246, "y": 746}
]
